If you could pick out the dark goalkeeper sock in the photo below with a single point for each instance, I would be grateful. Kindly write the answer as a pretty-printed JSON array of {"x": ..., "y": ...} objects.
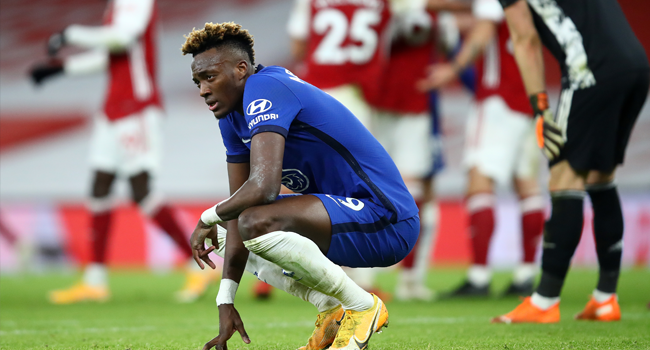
[
  {"x": 561, "y": 237},
  {"x": 608, "y": 233}
]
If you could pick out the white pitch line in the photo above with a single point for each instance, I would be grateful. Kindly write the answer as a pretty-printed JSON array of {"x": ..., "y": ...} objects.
[{"x": 275, "y": 325}]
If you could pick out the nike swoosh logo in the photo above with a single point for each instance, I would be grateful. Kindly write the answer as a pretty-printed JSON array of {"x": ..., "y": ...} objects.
[
  {"x": 363, "y": 345},
  {"x": 338, "y": 322},
  {"x": 245, "y": 140}
]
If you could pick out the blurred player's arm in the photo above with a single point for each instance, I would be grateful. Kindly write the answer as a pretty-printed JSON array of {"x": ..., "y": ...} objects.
[
  {"x": 488, "y": 14},
  {"x": 443, "y": 73},
  {"x": 130, "y": 20},
  {"x": 528, "y": 54},
  {"x": 298, "y": 29},
  {"x": 92, "y": 61},
  {"x": 526, "y": 44}
]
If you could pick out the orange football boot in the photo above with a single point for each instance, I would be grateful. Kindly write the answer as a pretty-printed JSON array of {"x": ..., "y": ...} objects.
[
  {"x": 78, "y": 293},
  {"x": 526, "y": 312},
  {"x": 327, "y": 325},
  {"x": 606, "y": 311},
  {"x": 358, "y": 326}
]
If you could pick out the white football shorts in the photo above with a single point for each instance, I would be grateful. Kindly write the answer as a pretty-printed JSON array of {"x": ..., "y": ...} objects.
[
  {"x": 408, "y": 139},
  {"x": 129, "y": 145},
  {"x": 501, "y": 142}
]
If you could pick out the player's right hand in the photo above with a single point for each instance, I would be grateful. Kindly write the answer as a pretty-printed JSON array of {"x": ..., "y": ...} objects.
[
  {"x": 45, "y": 70},
  {"x": 549, "y": 134},
  {"x": 197, "y": 242},
  {"x": 229, "y": 322}
]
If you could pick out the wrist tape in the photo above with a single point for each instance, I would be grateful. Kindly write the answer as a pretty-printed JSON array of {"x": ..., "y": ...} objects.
[
  {"x": 227, "y": 291},
  {"x": 210, "y": 217}
]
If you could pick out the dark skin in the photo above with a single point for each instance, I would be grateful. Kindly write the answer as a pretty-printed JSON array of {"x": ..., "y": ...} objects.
[{"x": 252, "y": 209}]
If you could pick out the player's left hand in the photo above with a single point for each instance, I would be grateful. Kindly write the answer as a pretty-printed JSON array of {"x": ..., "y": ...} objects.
[
  {"x": 197, "y": 242},
  {"x": 438, "y": 75},
  {"x": 45, "y": 70},
  {"x": 229, "y": 323}
]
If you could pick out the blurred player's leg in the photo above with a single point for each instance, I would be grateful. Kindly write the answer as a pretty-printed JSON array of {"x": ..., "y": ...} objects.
[
  {"x": 197, "y": 281},
  {"x": 417, "y": 152},
  {"x": 412, "y": 277},
  {"x": 532, "y": 206},
  {"x": 8, "y": 234},
  {"x": 23, "y": 247},
  {"x": 495, "y": 139},
  {"x": 480, "y": 207},
  {"x": 94, "y": 283}
]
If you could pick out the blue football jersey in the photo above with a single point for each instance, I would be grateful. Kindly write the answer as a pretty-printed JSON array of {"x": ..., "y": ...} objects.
[{"x": 327, "y": 149}]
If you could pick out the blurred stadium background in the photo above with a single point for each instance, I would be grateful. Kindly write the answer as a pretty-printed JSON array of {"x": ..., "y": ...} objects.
[{"x": 44, "y": 132}]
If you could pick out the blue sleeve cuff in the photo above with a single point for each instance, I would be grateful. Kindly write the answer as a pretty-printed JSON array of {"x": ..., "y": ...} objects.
[
  {"x": 238, "y": 158},
  {"x": 272, "y": 128}
]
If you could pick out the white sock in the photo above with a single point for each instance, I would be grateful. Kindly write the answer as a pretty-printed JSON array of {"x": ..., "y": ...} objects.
[
  {"x": 601, "y": 297},
  {"x": 302, "y": 260},
  {"x": 479, "y": 275},
  {"x": 428, "y": 223},
  {"x": 524, "y": 273},
  {"x": 96, "y": 275},
  {"x": 542, "y": 302},
  {"x": 272, "y": 274}
]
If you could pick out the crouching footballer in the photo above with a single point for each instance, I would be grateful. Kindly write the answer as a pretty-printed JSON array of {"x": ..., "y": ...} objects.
[{"x": 351, "y": 206}]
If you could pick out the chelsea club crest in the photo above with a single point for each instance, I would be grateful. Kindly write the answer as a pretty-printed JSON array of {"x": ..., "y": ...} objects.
[{"x": 294, "y": 180}]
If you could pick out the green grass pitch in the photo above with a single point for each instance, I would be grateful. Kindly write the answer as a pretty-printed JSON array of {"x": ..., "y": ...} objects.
[{"x": 142, "y": 315}]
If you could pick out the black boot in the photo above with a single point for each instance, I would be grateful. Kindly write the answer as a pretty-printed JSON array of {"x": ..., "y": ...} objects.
[
  {"x": 467, "y": 289},
  {"x": 522, "y": 289}
]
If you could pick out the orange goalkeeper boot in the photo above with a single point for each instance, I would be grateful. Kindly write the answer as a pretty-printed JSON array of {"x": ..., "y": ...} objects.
[
  {"x": 605, "y": 311},
  {"x": 526, "y": 312}
]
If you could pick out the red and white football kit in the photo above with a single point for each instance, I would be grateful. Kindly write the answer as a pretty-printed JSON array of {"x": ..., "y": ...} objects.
[
  {"x": 500, "y": 144},
  {"x": 402, "y": 117},
  {"x": 347, "y": 48},
  {"x": 126, "y": 135},
  {"x": 499, "y": 137},
  {"x": 402, "y": 121}
]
